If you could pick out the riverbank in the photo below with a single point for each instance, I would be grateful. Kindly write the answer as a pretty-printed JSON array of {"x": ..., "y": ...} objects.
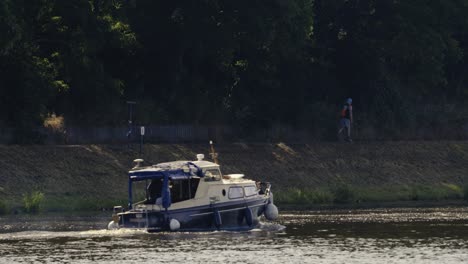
[{"x": 84, "y": 177}]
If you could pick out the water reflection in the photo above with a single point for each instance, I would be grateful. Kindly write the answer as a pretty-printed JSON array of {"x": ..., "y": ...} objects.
[{"x": 365, "y": 236}]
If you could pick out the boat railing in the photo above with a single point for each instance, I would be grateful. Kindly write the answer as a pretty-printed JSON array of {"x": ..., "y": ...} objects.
[
  {"x": 139, "y": 203},
  {"x": 147, "y": 221},
  {"x": 264, "y": 187}
]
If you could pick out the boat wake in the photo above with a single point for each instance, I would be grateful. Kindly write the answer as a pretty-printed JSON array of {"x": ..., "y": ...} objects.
[
  {"x": 38, "y": 235},
  {"x": 271, "y": 227},
  {"x": 125, "y": 232}
]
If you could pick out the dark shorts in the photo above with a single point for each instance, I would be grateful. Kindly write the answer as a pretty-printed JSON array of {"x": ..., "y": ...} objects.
[{"x": 345, "y": 122}]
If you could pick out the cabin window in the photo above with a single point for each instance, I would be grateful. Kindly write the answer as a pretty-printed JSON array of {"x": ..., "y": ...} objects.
[
  {"x": 182, "y": 190},
  {"x": 250, "y": 191},
  {"x": 212, "y": 175},
  {"x": 236, "y": 192}
]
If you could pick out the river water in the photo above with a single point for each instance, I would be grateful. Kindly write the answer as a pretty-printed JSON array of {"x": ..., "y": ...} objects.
[{"x": 403, "y": 235}]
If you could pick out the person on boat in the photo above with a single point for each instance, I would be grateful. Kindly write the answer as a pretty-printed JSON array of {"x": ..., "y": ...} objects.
[
  {"x": 154, "y": 191},
  {"x": 346, "y": 119}
]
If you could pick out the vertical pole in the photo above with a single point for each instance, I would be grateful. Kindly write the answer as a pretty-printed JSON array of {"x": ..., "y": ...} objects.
[
  {"x": 130, "y": 123},
  {"x": 129, "y": 133},
  {"x": 214, "y": 155},
  {"x": 130, "y": 194},
  {"x": 146, "y": 189},
  {"x": 142, "y": 133}
]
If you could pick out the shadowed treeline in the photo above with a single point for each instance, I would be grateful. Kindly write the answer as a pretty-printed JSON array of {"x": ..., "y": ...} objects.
[{"x": 252, "y": 65}]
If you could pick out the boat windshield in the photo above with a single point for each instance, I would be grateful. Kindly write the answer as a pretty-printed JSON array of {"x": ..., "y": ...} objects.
[
  {"x": 154, "y": 191},
  {"x": 181, "y": 190},
  {"x": 212, "y": 175}
]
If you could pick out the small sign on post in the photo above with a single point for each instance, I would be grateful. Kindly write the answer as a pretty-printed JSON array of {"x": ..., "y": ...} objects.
[
  {"x": 130, "y": 105},
  {"x": 142, "y": 133}
]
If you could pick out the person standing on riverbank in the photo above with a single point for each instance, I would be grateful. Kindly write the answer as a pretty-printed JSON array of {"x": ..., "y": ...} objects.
[{"x": 346, "y": 119}]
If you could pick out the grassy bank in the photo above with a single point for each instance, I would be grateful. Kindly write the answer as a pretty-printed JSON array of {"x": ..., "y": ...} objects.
[
  {"x": 93, "y": 177},
  {"x": 55, "y": 203},
  {"x": 344, "y": 194},
  {"x": 339, "y": 196}
]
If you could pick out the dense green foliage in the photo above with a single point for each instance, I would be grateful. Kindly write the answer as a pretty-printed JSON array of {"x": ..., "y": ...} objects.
[
  {"x": 32, "y": 202},
  {"x": 253, "y": 64},
  {"x": 3, "y": 208}
]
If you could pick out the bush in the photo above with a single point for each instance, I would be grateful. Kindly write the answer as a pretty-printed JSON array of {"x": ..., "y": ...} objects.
[
  {"x": 304, "y": 197},
  {"x": 465, "y": 192},
  {"x": 435, "y": 192},
  {"x": 343, "y": 194},
  {"x": 319, "y": 197},
  {"x": 3, "y": 208},
  {"x": 347, "y": 194},
  {"x": 290, "y": 196},
  {"x": 33, "y": 202}
]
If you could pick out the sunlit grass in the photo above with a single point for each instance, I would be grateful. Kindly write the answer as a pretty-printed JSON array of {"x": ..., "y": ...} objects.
[
  {"x": 56, "y": 123},
  {"x": 32, "y": 202},
  {"x": 341, "y": 194}
]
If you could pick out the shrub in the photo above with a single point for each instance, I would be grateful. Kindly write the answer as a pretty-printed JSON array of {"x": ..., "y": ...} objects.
[
  {"x": 289, "y": 196},
  {"x": 304, "y": 197},
  {"x": 465, "y": 192},
  {"x": 452, "y": 191},
  {"x": 3, "y": 208},
  {"x": 435, "y": 192},
  {"x": 343, "y": 194},
  {"x": 32, "y": 202},
  {"x": 320, "y": 196}
]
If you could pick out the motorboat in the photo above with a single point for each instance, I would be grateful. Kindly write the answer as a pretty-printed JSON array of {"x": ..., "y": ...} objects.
[{"x": 192, "y": 196}]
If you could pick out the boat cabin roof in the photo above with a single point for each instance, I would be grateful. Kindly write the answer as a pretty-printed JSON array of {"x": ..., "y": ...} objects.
[
  {"x": 203, "y": 164},
  {"x": 172, "y": 170}
]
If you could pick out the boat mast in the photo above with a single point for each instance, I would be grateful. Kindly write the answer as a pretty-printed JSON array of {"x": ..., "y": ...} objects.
[{"x": 213, "y": 154}]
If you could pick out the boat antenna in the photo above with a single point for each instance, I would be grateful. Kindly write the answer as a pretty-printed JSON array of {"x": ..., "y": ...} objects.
[{"x": 213, "y": 154}]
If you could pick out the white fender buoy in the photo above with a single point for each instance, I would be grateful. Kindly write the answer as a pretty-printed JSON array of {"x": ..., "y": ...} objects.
[
  {"x": 112, "y": 225},
  {"x": 174, "y": 224},
  {"x": 271, "y": 212}
]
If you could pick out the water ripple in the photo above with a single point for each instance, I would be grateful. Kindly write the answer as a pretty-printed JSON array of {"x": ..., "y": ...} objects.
[{"x": 363, "y": 236}]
